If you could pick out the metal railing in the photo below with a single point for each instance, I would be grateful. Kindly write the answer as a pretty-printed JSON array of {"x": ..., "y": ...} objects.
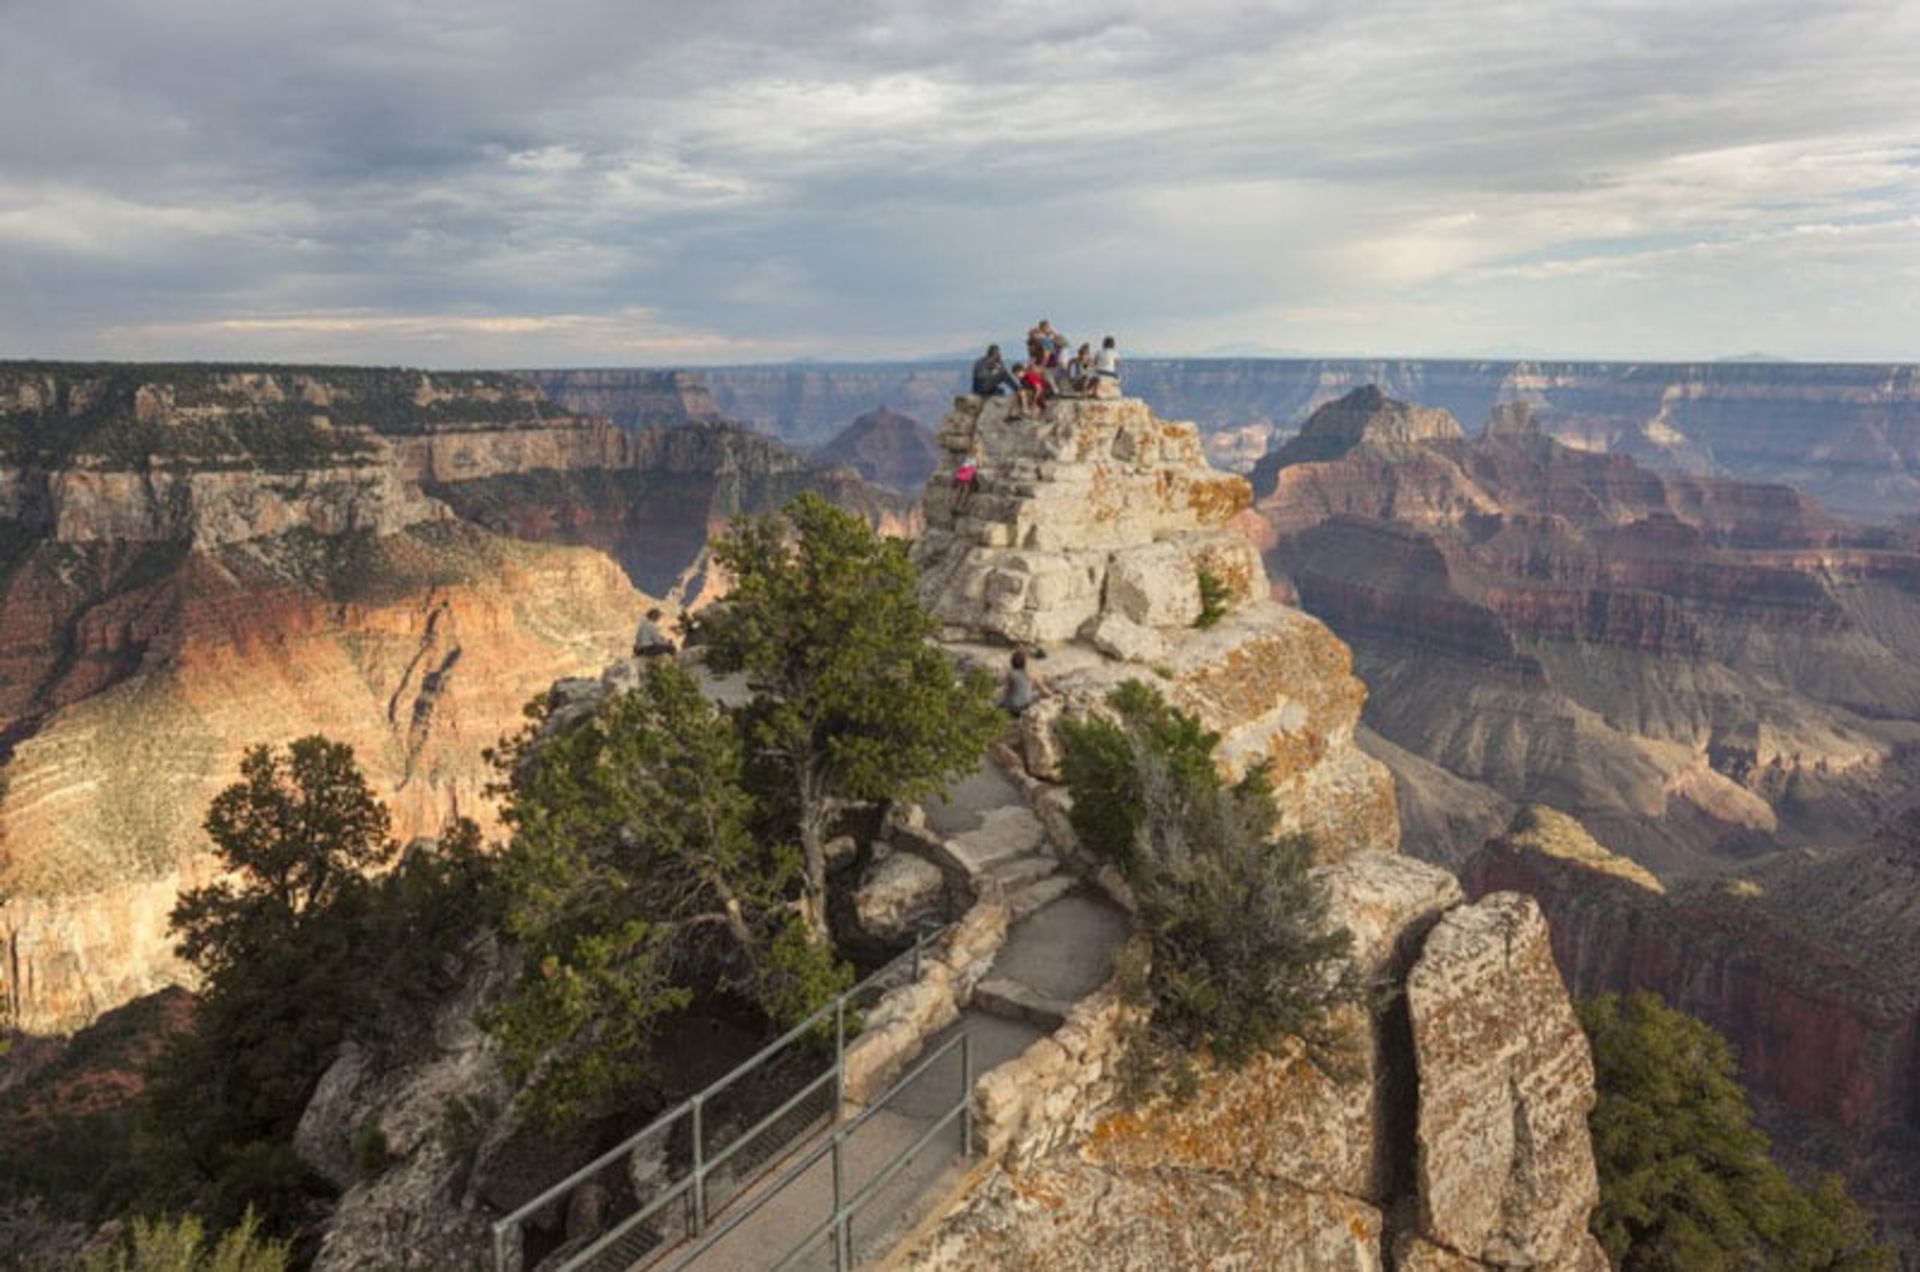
[
  {"x": 712, "y": 1174},
  {"x": 838, "y": 1224}
]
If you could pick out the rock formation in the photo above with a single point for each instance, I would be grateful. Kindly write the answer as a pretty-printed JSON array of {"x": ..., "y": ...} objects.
[
  {"x": 1098, "y": 533},
  {"x": 885, "y": 447},
  {"x": 1811, "y": 967},
  {"x": 1090, "y": 536},
  {"x": 1393, "y": 1159},
  {"x": 1698, "y": 669},
  {"x": 194, "y": 559}
]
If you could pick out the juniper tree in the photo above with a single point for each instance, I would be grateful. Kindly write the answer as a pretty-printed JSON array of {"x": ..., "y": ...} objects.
[
  {"x": 1686, "y": 1181},
  {"x": 636, "y": 887},
  {"x": 1239, "y": 948},
  {"x": 852, "y": 700}
]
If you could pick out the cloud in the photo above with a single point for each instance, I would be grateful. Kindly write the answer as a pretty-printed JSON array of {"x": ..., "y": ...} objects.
[{"x": 466, "y": 181}]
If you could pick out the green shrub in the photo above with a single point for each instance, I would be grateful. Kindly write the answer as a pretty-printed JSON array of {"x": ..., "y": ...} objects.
[
  {"x": 182, "y": 1245},
  {"x": 1215, "y": 597},
  {"x": 1237, "y": 950},
  {"x": 1686, "y": 1182}
]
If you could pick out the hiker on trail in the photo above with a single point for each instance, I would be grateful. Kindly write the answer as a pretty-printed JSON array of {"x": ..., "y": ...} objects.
[
  {"x": 650, "y": 641},
  {"x": 990, "y": 374},
  {"x": 1106, "y": 363},
  {"x": 1035, "y": 389},
  {"x": 1022, "y": 689},
  {"x": 966, "y": 480}
]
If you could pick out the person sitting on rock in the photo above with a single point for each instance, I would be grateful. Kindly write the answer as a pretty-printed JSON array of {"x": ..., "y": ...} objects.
[
  {"x": 1080, "y": 372},
  {"x": 966, "y": 480},
  {"x": 650, "y": 641},
  {"x": 990, "y": 374},
  {"x": 1022, "y": 688},
  {"x": 1106, "y": 364},
  {"x": 1035, "y": 389}
]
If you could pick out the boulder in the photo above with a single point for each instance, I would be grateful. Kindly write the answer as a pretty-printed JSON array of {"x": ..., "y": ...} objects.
[
  {"x": 1154, "y": 585},
  {"x": 900, "y": 894},
  {"x": 1505, "y": 1164},
  {"x": 1120, "y": 637}
]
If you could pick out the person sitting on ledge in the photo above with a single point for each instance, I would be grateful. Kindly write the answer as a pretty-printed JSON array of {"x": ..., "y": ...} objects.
[
  {"x": 966, "y": 480},
  {"x": 1106, "y": 363},
  {"x": 1035, "y": 389},
  {"x": 1022, "y": 690},
  {"x": 650, "y": 641},
  {"x": 990, "y": 374},
  {"x": 1080, "y": 372}
]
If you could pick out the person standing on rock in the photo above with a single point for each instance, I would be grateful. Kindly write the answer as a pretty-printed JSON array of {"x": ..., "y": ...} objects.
[
  {"x": 651, "y": 641},
  {"x": 990, "y": 374}
]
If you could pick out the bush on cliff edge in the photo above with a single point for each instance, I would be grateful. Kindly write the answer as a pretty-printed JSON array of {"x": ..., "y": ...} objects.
[
  {"x": 1685, "y": 1178},
  {"x": 1238, "y": 950}
]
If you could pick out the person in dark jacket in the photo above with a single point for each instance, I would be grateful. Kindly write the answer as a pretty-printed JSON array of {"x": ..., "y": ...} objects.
[{"x": 990, "y": 374}]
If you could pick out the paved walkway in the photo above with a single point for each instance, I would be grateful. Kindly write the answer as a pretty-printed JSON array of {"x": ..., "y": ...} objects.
[{"x": 1058, "y": 953}]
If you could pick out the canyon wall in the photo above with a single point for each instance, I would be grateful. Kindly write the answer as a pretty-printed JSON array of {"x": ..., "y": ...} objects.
[
  {"x": 1810, "y": 967},
  {"x": 1703, "y": 671},
  {"x": 1849, "y": 434},
  {"x": 194, "y": 559}
]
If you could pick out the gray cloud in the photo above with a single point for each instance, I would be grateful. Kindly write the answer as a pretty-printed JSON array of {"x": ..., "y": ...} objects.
[{"x": 589, "y": 181}]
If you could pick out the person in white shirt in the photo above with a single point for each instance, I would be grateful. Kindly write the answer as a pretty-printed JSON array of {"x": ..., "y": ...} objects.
[{"x": 1106, "y": 363}]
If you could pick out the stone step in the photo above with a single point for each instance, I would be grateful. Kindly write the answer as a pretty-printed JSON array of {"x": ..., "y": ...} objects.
[
  {"x": 1011, "y": 1000},
  {"x": 1004, "y": 833},
  {"x": 1038, "y": 895},
  {"x": 1017, "y": 872}
]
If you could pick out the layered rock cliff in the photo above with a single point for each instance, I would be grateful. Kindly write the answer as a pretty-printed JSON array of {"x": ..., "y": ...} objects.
[
  {"x": 1810, "y": 966},
  {"x": 194, "y": 559},
  {"x": 884, "y": 446},
  {"x": 1700, "y": 669},
  {"x": 1091, "y": 536},
  {"x": 1848, "y": 434}
]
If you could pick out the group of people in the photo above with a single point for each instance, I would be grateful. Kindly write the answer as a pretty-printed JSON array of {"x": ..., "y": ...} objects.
[{"x": 1049, "y": 371}]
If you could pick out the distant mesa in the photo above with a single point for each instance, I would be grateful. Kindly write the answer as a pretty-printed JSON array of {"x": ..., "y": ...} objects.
[{"x": 887, "y": 448}]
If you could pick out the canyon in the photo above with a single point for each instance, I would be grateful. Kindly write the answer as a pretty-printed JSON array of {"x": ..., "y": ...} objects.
[
  {"x": 1848, "y": 434},
  {"x": 1679, "y": 711},
  {"x": 1703, "y": 671},
  {"x": 195, "y": 559}
]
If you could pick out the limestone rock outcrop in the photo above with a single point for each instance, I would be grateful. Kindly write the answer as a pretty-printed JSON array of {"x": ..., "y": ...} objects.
[
  {"x": 1506, "y": 1083},
  {"x": 1101, "y": 535},
  {"x": 1292, "y": 1161}
]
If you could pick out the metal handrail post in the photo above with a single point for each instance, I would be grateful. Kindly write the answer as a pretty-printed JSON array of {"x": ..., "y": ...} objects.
[
  {"x": 839, "y": 1214},
  {"x": 839, "y": 1059},
  {"x": 699, "y": 1168},
  {"x": 500, "y": 1247},
  {"x": 966, "y": 1094}
]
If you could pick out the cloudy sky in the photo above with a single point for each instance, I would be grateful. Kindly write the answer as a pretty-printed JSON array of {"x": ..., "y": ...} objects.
[{"x": 472, "y": 182}]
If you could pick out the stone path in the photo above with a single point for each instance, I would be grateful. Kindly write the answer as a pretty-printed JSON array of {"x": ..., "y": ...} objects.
[{"x": 1061, "y": 950}]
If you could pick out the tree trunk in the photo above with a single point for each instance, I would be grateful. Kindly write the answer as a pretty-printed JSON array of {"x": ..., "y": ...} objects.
[{"x": 813, "y": 844}]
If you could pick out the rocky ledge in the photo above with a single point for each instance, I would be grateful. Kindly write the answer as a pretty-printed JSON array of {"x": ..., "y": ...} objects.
[{"x": 1102, "y": 538}]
